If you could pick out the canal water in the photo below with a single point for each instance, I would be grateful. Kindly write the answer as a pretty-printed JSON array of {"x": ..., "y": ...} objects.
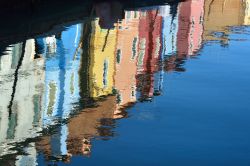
[{"x": 155, "y": 85}]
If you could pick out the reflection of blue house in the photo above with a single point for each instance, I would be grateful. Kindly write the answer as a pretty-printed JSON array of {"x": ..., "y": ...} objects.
[
  {"x": 169, "y": 30},
  {"x": 61, "y": 78},
  {"x": 169, "y": 42},
  {"x": 61, "y": 82}
]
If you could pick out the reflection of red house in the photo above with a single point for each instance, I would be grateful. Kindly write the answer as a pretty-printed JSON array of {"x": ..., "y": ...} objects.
[
  {"x": 190, "y": 29},
  {"x": 150, "y": 26}
]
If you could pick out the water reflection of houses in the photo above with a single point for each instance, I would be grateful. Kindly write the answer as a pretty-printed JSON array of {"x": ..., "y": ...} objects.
[
  {"x": 126, "y": 61},
  {"x": 61, "y": 80},
  {"x": 230, "y": 11},
  {"x": 102, "y": 63},
  {"x": 169, "y": 30},
  {"x": 100, "y": 83},
  {"x": 74, "y": 138},
  {"x": 35, "y": 90},
  {"x": 169, "y": 43},
  {"x": 92, "y": 122},
  {"x": 89, "y": 123},
  {"x": 62, "y": 85},
  {"x": 190, "y": 28},
  {"x": 22, "y": 84},
  {"x": 189, "y": 33},
  {"x": 150, "y": 26},
  {"x": 114, "y": 65}
]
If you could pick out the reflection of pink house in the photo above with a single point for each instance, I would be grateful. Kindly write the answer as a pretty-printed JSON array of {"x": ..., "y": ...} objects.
[
  {"x": 126, "y": 56},
  {"x": 190, "y": 29},
  {"x": 150, "y": 27}
]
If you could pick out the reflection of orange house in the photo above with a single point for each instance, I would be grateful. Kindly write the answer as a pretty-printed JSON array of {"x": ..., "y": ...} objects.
[
  {"x": 126, "y": 56},
  {"x": 220, "y": 14},
  {"x": 150, "y": 27},
  {"x": 89, "y": 123},
  {"x": 190, "y": 29},
  {"x": 86, "y": 125}
]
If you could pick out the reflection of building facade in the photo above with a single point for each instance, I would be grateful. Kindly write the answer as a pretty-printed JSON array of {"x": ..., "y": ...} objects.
[
  {"x": 169, "y": 31},
  {"x": 190, "y": 28},
  {"x": 90, "y": 123},
  {"x": 230, "y": 11},
  {"x": 150, "y": 27},
  {"x": 22, "y": 90},
  {"x": 247, "y": 12},
  {"x": 30, "y": 158},
  {"x": 126, "y": 56},
  {"x": 169, "y": 43},
  {"x": 61, "y": 79},
  {"x": 62, "y": 84},
  {"x": 102, "y": 62}
]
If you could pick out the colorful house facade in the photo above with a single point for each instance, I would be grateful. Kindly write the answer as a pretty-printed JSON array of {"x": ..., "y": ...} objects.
[
  {"x": 150, "y": 29},
  {"x": 190, "y": 28},
  {"x": 221, "y": 14},
  {"x": 20, "y": 108},
  {"x": 102, "y": 60},
  {"x": 126, "y": 59},
  {"x": 61, "y": 79}
]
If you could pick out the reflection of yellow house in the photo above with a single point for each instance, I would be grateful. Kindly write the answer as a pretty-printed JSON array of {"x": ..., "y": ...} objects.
[
  {"x": 247, "y": 12},
  {"x": 102, "y": 53},
  {"x": 220, "y": 14}
]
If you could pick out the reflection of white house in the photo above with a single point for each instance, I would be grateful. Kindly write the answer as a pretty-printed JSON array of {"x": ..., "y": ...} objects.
[
  {"x": 169, "y": 31},
  {"x": 51, "y": 44},
  {"x": 25, "y": 119},
  {"x": 29, "y": 159}
]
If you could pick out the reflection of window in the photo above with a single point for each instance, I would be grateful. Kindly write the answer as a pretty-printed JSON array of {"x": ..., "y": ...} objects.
[
  {"x": 143, "y": 14},
  {"x": 158, "y": 46},
  {"x": 118, "y": 98},
  {"x": 134, "y": 47},
  {"x": 128, "y": 14},
  {"x": 133, "y": 92},
  {"x": 52, "y": 97},
  {"x": 118, "y": 56},
  {"x": 142, "y": 43},
  {"x": 105, "y": 73},
  {"x": 72, "y": 88},
  {"x": 201, "y": 20},
  {"x": 16, "y": 54},
  {"x": 51, "y": 45},
  {"x": 141, "y": 51},
  {"x": 37, "y": 108},
  {"x": 135, "y": 14},
  {"x": 141, "y": 57}
]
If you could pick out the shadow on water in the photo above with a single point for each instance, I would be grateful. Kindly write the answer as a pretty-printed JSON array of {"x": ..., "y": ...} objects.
[{"x": 69, "y": 70}]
